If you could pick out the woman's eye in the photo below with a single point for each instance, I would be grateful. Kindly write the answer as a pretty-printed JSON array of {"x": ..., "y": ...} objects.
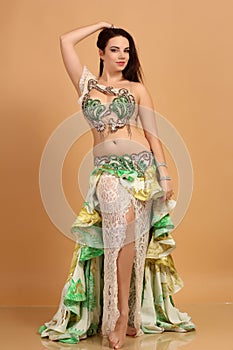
[{"x": 114, "y": 50}]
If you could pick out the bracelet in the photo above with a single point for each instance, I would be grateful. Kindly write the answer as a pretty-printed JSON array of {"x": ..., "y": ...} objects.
[
  {"x": 165, "y": 178},
  {"x": 161, "y": 164}
]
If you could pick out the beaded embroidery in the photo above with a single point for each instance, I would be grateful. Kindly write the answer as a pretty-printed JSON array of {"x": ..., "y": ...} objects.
[
  {"x": 123, "y": 106},
  {"x": 135, "y": 161}
]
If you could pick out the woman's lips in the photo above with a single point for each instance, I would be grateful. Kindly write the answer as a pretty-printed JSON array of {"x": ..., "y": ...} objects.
[{"x": 121, "y": 63}]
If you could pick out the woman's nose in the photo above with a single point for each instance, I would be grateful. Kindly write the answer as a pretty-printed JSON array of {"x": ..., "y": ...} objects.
[{"x": 121, "y": 54}]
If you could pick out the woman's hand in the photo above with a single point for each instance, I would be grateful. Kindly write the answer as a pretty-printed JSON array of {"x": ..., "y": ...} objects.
[
  {"x": 70, "y": 56},
  {"x": 106, "y": 25},
  {"x": 168, "y": 188}
]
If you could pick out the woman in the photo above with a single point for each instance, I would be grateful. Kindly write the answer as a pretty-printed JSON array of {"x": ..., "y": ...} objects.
[{"x": 122, "y": 275}]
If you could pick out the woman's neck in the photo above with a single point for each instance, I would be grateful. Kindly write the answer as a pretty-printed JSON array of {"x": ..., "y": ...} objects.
[{"x": 111, "y": 77}]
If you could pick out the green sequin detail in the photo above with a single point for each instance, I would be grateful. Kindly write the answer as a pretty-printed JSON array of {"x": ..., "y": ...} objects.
[
  {"x": 122, "y": 166},
  {"x": 93, "y": 109},
  {"x": 122, "y": 107}
]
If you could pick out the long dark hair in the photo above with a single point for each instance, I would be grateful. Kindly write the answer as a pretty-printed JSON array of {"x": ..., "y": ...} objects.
[{"x": 132, "y": 71}]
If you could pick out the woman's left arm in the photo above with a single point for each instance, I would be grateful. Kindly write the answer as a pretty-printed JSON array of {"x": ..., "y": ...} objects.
[{"x": 148, "y": 121}]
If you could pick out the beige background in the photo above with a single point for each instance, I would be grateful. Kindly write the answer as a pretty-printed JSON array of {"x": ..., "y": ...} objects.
[{"x": 186, "y": 54}]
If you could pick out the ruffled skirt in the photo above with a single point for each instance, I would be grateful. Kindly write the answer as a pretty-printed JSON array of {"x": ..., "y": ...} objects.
[{"x": 88, "y": 303}]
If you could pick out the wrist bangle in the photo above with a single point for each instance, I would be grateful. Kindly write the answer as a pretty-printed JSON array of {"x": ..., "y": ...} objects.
[
  {"x": 161, "y": 164},
  {"x": 165, "y": 178}
]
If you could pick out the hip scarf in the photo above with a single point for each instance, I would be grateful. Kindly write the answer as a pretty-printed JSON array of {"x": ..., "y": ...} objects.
[
  {"x": 116, "y": 183},
  {"x": 88, "y": 303}
]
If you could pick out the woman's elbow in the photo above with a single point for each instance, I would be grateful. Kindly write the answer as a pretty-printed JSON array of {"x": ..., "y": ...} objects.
[{"x": 63, "y": 38}]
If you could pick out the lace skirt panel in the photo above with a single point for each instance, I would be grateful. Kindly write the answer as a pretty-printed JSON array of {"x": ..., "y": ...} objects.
[{"x": 115, "y": 201}]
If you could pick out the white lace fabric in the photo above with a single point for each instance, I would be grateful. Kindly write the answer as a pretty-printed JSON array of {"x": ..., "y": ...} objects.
[
  {"x": 83, "y": 82},
  {"x": 115, "y": 202}
]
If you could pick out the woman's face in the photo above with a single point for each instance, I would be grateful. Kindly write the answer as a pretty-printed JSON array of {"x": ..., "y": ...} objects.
[{"x": 116, "y": 54}]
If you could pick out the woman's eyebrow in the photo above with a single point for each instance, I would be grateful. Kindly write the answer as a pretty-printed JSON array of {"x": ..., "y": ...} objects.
[{"x": 117, "y": 47}]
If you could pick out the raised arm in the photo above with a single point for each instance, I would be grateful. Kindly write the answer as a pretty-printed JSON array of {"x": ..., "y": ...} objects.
[
  {"x": 70, "y": 57},
  {"x": 148, "y": 120}
]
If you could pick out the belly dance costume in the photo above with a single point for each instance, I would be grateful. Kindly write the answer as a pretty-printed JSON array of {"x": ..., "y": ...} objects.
[{"x": 88, "y": 302}]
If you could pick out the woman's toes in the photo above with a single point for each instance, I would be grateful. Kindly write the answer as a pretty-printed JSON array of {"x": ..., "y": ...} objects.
[{"x": 113, "y": 339}]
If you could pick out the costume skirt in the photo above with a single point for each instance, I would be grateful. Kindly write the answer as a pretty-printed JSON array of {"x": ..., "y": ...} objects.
[{"x": 88, "y": 303}]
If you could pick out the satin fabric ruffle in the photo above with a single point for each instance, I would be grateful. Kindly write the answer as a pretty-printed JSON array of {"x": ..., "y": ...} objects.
[{"x": 81, "y": 305}]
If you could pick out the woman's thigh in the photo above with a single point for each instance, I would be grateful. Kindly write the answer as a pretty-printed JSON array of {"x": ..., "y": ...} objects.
[{"x": 117, "y": 211}]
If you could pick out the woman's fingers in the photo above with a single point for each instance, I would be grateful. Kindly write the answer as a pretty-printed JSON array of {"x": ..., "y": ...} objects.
[
  {"x": 167, "y": 187},
  {"x": 169, "y": 194}
]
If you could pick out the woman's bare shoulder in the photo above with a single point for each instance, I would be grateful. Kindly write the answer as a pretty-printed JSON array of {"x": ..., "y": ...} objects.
[
  {"x": 141, "y": 92},
  {"x": 137, "y": 86}
]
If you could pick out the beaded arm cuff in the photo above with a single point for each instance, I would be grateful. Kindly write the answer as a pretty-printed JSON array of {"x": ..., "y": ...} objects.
[
  {"x": 161, "y": 164},
  {"x": 165, "y": 178}
]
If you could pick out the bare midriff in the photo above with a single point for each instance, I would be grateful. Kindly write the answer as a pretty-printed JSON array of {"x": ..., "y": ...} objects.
[{"x": 120, "y": 142}]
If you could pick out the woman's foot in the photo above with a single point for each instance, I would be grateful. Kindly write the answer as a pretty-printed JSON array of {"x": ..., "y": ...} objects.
[
  {"x": 117, "y": 337},
  {"x": 131, "y": 331}
]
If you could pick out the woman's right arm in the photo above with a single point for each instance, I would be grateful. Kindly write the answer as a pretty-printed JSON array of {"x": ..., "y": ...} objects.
[{"x": 70, "y": 57}]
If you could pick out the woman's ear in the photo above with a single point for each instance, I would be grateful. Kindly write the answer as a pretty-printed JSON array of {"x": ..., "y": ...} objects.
[{"x": 101, "y": 53}]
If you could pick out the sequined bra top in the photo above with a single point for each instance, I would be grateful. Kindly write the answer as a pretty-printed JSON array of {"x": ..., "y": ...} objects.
[{"x": 120, "y": 112}]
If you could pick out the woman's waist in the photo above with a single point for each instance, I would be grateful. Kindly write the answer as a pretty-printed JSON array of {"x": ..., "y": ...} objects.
[
  {"x": 120, "y": 143},
  {"x": 136, "y": 133}
]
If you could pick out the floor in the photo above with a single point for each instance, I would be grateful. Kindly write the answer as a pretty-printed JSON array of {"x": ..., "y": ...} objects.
[{"x": 214, "y": 323}]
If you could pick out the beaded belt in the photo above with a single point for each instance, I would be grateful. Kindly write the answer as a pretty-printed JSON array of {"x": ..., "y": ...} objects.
[{"x": 138, "y": 161}]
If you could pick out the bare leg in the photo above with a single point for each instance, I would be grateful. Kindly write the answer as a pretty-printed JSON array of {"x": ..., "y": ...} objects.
[{"x": 124, "y": 269}]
